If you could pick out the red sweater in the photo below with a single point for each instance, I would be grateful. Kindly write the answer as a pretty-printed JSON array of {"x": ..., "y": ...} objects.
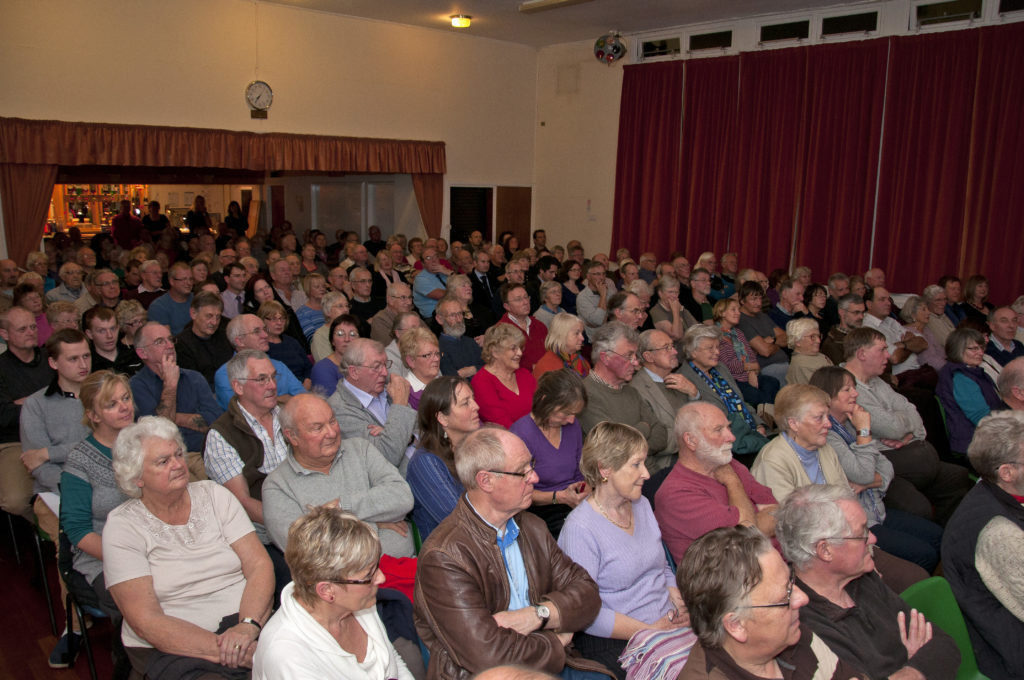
[{"x": 498, "y": 404}]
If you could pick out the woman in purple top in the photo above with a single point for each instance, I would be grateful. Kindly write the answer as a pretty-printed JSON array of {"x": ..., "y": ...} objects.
[
  {"x": 447, "y": 413},
  {"x": 554, "y": 437},
  {"x": 615, "y": 537}
]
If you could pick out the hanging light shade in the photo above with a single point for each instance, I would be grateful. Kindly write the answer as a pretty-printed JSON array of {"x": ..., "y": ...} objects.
[{"x": 461, "y": 20}]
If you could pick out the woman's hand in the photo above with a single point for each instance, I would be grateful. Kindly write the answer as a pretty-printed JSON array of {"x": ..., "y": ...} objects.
[
  {"x": 860, "y": 418},
  {"x": 234, "y": 644},
  {"x": 752, "y": 379},
  {"x": 572, "y": 495}
]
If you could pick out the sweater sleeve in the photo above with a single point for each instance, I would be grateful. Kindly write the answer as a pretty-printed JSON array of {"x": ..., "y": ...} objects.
[
  {"x": 75, "y": 507},
  {"x": 387, "y": 498},
  {"x": 969, "y": 398},
  {"x": 433, "y": 486}
]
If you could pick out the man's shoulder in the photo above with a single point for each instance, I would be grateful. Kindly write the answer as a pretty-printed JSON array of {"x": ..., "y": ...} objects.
[{"x": 38, "y": 397}]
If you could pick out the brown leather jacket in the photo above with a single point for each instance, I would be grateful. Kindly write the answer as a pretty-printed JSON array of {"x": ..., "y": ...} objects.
[{"x": 461, "y": 582}]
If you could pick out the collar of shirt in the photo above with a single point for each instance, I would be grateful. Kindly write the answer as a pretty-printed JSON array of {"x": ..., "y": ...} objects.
[
  {"x": 1000, "y": 346},
  {"x": 654, "y": 376},
  {"x": 364, "y": 397},
  {"x": 54, "y": 388}
]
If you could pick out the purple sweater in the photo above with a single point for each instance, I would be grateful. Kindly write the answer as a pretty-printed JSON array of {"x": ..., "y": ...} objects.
[
  {"x": 631, "y": 572},
  {"x": 557, "y": 468}
]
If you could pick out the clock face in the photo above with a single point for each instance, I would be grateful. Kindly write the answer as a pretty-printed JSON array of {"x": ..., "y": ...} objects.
[{"x": 259, "y": 95}]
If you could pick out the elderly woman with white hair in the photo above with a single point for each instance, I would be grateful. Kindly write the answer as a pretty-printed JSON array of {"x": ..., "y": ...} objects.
[
  {"x": 550, "y": 302},
  {"x": 716, "y": 386},
  {"x": 804, "y": 338},
  {"x": 328, "y": 625},
  {"x": 916, "y": 315},
  {"x": 182, "y": 562}
]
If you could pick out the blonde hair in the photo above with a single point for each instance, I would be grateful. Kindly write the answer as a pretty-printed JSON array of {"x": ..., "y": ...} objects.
[
  {"x": 98, "y": 388},
  {"x": 609, "y": 445}
]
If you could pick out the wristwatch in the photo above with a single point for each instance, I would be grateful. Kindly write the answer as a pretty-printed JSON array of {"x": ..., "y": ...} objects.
[
  {"x": 543, "y": 613},
  {"x": 864, "y": 433}
]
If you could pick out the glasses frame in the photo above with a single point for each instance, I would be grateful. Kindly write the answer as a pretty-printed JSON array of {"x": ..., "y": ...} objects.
[
  {"x": 263, "y": 379},
  {"x": 788, "y": 601},
  {"x": 357, "y": 581},
  {"x": 524, "y": 475}
]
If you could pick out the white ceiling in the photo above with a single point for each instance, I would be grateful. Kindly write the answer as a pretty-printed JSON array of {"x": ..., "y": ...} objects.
[{"x": 500, "y": 19}]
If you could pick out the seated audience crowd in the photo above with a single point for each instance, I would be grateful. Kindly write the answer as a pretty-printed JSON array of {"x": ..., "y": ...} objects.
[{"x": 406, "y": 458}]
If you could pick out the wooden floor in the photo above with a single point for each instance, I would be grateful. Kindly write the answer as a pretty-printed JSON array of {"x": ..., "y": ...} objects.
[{"x": 25, "y": 637}]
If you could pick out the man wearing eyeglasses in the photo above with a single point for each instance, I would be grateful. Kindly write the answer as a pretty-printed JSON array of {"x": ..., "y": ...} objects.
[
  {"x": 247, "y": 331},
  {"x": 245, "y": 444},
  {"x": 399, "y": 299},
  {"x": 824, "y": 533},
  {"x": 372, "y": 404},
  {"x": 515, "y": 298},
  {"x": 744, "y": 607},
  {"x": 492, "y": 586},
  {"x": 609, "y": 395},
  {"x": 162, "y": 388}
]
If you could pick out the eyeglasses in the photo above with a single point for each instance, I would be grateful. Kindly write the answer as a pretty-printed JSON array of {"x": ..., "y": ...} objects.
[
  {"x": 631, "y": 357},
  {"x": 263, "y": 379},
  {"x": 784, "y": 603},
  {"x": 401, "y": 297},
  {"x": 376, "y": 368},
  {"x": 525, "y": 473},
  {"x": 361, "y": 280},
  {"x": 662, "y": 348},
  {"x": 974, "y": 348},
  {"x": 428, "y": 355},
  {"x": 864, "y": 537},
  {"x": 358, "y": 581},
  {"x": 162, "y": 342},
  {"x": 342, "y": 334}
]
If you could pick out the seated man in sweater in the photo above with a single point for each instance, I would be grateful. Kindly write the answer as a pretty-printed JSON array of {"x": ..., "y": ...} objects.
[
  {"x": 983, "y": 546},
  {"x": 1002, "y": 344},
  {"x": 922, "y": 480},
  {"x": 824, "y": 533},
  {"x": 246, "y": 443},
  {"x": 203, "y": 344},
  {"x": 611, "y": 398},
  {"x": 325, "y": 468},
  {"x": 708, "y": 488}
]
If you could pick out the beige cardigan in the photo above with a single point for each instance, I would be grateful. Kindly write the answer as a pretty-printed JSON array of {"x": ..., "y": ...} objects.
[{"x": 778, "y": 467}]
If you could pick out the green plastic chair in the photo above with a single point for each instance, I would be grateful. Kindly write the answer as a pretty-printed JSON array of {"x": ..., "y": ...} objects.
[{"x": 934, "y": 598}]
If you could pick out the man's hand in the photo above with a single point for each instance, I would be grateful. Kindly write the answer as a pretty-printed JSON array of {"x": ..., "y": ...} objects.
[
  {"x": 724, "y": 475},
  {"x": 523, "y": 621},
  {"x": 917, "y": 633},
  {"x": 679, "y": 383},
  {"x": 33, "y": 458},
  {"x": 891, "y": 443},
  {"x": 169, "y": 370},
  {"x": 398, "y": 389},
  {"x": 399, "y": 528},
  {"x": 375, "y": 430}
]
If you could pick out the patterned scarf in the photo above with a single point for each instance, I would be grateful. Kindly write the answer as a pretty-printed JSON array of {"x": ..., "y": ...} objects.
[
  {"x": 575, "y": 363},
  {"x": 733, "y": 401}
]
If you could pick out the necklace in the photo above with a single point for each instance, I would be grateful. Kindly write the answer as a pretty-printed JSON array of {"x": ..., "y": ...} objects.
[{"x": 627, "y": 526}]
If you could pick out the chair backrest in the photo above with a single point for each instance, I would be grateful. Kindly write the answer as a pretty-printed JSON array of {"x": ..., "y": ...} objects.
[{"x": 934, "y": 598}]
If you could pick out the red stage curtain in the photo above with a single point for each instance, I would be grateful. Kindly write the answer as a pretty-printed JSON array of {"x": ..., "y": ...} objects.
[
  {"x": 429, "y": 188},
  {"x": 26, "y": 191},
  {"x": 647, "y": 169},
  {"x": 925, "y": 150},
  {"x": 839, "y": 156},
  {"x": 764, "y": 192},
  {"x": 992, "y": 241},
  {"x": 704, "y": 199}
]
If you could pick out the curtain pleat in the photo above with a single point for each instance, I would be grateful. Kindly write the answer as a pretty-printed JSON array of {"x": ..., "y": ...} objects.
[
  {"x": 839, "y": 156},
  {"x": 925, "y": 151},
  {"x": 647, "y": 168},
  {"x": 429, "y": 188},
  {"x": 993, "y": 243},
  {"x": 26, "y": 191}
]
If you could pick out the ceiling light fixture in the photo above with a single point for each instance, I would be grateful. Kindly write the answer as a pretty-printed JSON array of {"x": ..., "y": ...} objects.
[{"x": 461, "y": 20}]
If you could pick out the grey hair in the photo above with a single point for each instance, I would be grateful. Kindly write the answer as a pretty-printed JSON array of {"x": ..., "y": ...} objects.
[
  {"x": 1018, "y": 305},
  {"x": 332, "y": 298},
  {"x": 998, "y": 440},
  {"x": 129, "y": 453},
  {"x": 798, "y": 329},
  {"x": 480, "y": 450},
  {"x": 956, "y": 343},
  {"x": 801, "y": 270},
  {"x": 716, "y": 576},
  {"x": 141, "y": 331},
  {"x": 910, "y": 308},
  {"x": 690, "y": 419},
  {"x": 149, "y": 264},
  {"x": 667, "y": 282},
  {"x": 546, "y": 288},
  {"x": 561, "y": 326},
  {"x": 607, "y": 336},
  {"x": 1011, "y": 376},
  {"x": 836, "y": 278},
  {"x": 639, "y": 288},
  {"x": 849, "y": 299},
  {"x": 238, "y": 365},
  {"x": 808, "y": 515},
  {"x": 694, "y": 334},
  {"x": 931, "y": 292},
  {"x": 355, "y": 353},
  {"x": 236, "y": 327},
  {"x": 645, "y": 343}
]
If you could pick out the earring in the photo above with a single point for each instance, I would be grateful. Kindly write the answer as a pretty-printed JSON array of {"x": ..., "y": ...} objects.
[
  {"x": 444, "y": 435},
  {"x": 604, "y": 480}
]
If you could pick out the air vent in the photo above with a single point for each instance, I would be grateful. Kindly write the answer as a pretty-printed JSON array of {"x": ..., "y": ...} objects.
[
  {"x": 793, "y": 30},
  {"x": 851, "y": 23},
  {"x": 945, "y": 12},
  {"x": 711, "y": 41},
  {"x": 660, "y": 48}
]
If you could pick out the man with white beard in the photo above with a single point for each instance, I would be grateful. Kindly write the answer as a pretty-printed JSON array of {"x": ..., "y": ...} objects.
[
  {"x": 460, "y": 355},
  {"x": 707, "y": 489}
]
